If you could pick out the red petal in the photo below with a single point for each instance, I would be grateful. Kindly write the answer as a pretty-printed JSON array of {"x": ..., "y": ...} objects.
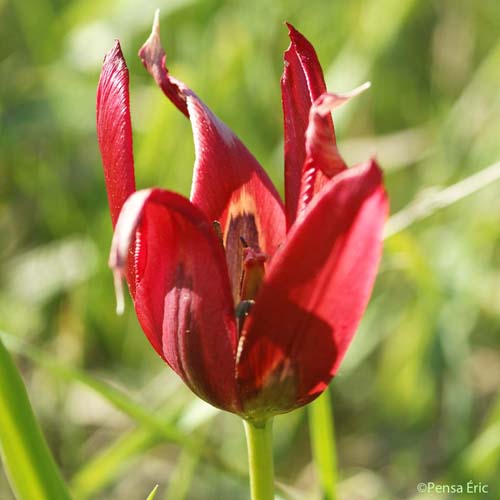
[
  {"x": 229, "y": 185},
  {"x": 114, "y": 131},
  {"x": 183, "y": 298},
  {"x": 314, "y": 295},
  {"x": 301, "y": 84},
  {"x": 323, "y": 160}
]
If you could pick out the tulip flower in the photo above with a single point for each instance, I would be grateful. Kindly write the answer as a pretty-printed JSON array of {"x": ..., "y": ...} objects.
[{"x": 252, "y": 302}]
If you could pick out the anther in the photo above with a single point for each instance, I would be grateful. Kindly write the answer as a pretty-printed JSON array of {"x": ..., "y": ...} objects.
[{"x": 241, "y": 312}]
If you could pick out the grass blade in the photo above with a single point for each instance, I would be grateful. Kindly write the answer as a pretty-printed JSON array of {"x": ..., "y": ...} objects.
[
  {"x": 158, "y": 424},
  {"x": 436, "y": 200},
  {"x": 153, "y": 493},
  {"x": 116, "y": 397},
  {"x": 115, "y": 460},
  {"x": 183, "y": 475},
  {"x": 28, "y": 461},
  {"x": 323, "y": 445}
]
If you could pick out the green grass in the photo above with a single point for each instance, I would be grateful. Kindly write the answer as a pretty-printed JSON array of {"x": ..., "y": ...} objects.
[{"x": 31, "y": 469}]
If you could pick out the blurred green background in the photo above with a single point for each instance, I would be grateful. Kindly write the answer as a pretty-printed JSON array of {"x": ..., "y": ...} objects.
[{"x": 417, "y": 397}]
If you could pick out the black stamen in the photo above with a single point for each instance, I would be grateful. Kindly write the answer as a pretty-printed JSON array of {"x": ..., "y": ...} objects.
[{"x": 243, "y": 242}]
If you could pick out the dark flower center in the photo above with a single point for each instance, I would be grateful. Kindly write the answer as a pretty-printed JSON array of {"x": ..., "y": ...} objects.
[{"x": 246, "y": 263}]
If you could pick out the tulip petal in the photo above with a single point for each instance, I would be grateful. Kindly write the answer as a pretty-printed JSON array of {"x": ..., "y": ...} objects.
[
  {"x": 183, "y": 299},
  {"x": 314, "y": 295},
  {"x": 301, "y": 84},
  {"x": 323, "y": 160},
  {"x": 114, "y": 131},
  {"x": 229, "y": 185},
  {"x": 114, "y": 134}
]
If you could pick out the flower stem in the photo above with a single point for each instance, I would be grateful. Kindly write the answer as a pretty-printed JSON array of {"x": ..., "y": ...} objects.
[
  {"x": 322, "y": 431},
  {"x": 260, "y": 459}
]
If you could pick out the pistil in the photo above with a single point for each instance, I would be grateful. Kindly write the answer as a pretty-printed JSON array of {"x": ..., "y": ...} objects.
[{"x": 252, "y": 276}]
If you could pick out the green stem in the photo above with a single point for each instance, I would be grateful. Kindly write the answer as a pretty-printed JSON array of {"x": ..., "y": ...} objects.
[
  {"x": 260, "y": 459},
  {"x": 322, "y": 430}
]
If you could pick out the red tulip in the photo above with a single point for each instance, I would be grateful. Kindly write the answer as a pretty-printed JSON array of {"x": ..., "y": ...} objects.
[{"x": 251, "y": 302}]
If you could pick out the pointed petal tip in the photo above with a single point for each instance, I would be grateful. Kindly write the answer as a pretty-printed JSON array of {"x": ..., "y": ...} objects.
[
  {"x": 117, "y": 48},
  {"x": 292, "y": 31},
  {"x": 288, "y": 49},
  {"x": 294, "y": 36},
  {"x": 373, "y": 174},
  {"x": 118, "y": 283},
  {"x": 155, "y": 29},
  {"x": 154, "y": 57},
  {"x": 299, "y": 43},
  {"x": 366, "y": 85},
  {"x": 156, "y": 19},
  {"x": 118, "y": 267},
  {"x": 373, "y": 165},
  {"x": 358, "y": 90},
  {"x": 370, "y": 170},
  {"x": 152, "y": 50},
  {"x": 114, "y": 55},
  {"x": 329, "y": 101}
]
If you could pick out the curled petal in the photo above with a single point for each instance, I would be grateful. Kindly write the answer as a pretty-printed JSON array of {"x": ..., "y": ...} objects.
[
  {"x": 320, "y": 150},
  {"x": 154, "y": 59},
  {"x": 314, "y": 295},
  {"x": 301, "y": 84},
  {"x": 182, "y": 298},
  {"x": 323, "y": 159},
  {"x": 229, "y": 185}
]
